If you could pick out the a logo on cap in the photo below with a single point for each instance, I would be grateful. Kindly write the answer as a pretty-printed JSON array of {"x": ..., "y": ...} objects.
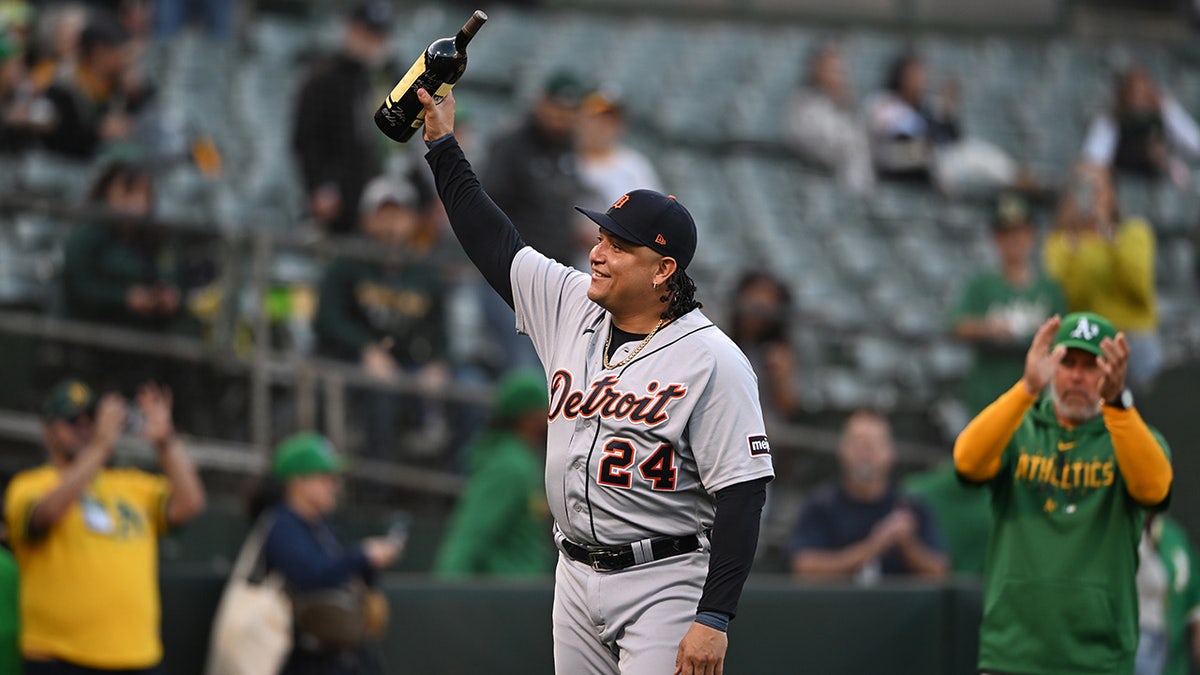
[
  {"x": 1085, "y": 330},
  {"x": 620, "y": 202},
  {"x": 77, "y": 393},
  {"x": 660, "y": 240}
]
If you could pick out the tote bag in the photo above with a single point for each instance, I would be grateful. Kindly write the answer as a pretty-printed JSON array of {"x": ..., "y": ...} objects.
[{"x": 252, "y": 632}]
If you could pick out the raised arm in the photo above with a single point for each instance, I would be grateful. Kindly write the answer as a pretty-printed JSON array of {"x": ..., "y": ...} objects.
[
  {"x": 1141, "y": 459},
  {"x": 75, "y": 478},
  {"x": 485, "y": 232},
  {"x": 979, "y": 447},
  {"x": 187, "y": 491}
]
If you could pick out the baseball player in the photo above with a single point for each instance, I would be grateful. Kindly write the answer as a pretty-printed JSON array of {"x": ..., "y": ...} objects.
[
  {"x": 657, "y": 459},
  {"x": 1070, "y": 476}
]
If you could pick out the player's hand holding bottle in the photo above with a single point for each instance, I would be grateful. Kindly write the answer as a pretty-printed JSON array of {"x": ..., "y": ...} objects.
[{"x": 439, "y": 117}]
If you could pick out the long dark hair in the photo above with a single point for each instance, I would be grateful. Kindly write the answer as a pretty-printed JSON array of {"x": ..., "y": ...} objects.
[
  {"x": 265, "y": 493},
  {"x": 680, "y": 297},
  {"x": 119, "y": 172},
  {"x": 894, "y": 80},
  {"x": 777, "y": 325}
]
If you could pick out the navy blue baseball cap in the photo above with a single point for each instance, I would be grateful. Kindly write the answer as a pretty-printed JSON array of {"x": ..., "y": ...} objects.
[{"x": 651, "y": 219}]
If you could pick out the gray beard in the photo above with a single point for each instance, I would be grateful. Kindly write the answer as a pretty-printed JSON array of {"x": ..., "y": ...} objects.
[{"x": 1074, "y": 412}]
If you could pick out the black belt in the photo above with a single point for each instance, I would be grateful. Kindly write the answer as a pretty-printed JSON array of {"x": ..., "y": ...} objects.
[{"x": 613, "y": 558}]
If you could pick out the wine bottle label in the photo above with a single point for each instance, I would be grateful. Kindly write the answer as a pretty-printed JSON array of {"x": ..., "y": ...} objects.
[{"x": 407, "y": 81}]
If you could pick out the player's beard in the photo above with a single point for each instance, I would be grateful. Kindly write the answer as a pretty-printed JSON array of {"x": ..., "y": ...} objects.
[{"x": 1073, "y": 409}]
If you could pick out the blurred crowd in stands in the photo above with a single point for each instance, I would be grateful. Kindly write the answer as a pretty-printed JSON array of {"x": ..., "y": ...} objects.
[{"x": 75, "y": 84}]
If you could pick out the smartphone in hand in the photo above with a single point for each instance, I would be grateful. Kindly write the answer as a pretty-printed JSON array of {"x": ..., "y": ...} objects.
[{"x": 398, "y": 528}]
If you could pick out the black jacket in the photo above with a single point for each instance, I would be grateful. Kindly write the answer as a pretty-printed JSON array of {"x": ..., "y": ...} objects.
[
  {"x": 334, "y": 136},
  {"x": 535, "y": 180}
]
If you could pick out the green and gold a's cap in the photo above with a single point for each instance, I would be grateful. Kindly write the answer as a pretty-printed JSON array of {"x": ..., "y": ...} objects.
[
  {"x": 67, "y": 399},
  {"x": 1084, "y": 330}
]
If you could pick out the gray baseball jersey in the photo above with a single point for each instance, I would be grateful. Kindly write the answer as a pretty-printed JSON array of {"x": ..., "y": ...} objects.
[{"x": 637, "y": 451}]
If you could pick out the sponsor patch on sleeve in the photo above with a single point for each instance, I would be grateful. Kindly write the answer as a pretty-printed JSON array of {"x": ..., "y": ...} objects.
[{"x": 759, "y": 446}]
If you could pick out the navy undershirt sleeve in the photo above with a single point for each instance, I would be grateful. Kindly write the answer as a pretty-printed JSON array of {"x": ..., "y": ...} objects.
[
  {"x": 485, "y": 232},
  {"x": 734, "y": 541}
]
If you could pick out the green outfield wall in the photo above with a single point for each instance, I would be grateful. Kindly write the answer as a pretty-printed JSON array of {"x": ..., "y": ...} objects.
[{"x": 477, "y": 628}]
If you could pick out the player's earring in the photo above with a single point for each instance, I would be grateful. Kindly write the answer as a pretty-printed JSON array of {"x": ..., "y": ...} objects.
[{"x": 655, "y": 285}]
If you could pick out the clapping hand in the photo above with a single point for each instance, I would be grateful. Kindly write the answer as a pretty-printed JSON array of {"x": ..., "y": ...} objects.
[
  {"x": 1041, "y": 361},
  {"x": 1113, "y": 363},
  {"x": 154, "y": 402}
]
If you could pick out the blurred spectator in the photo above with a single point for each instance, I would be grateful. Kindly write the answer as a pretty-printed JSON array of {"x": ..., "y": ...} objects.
[
  {"x": 961, "y": 513},
  {"x": 86, "y": 535},
  {"x": 861, "y": 527},
  {"x": 501, "y": 523},
  {"x": 1104, "y": 261},
  {"x": 302, "y": 546},
  {"x": 10, "y": 614},
  {"x": 762, "y": 307},
  {"x": 533, "y": 171},
  {"x": 336, "y": 144},
  {"x": 906, "y": 127},
  {"x": 917, "y": 138},
  {"x": 54, "y": 51},
  {"x": 122, "y": 273},
  {"x": 1168, "y": 599},
  {"x": 96, "y": 104},
  {"x": 822, "y": 125},
  {"x": 216, "y": 16},
  {"x": 17, "y": 124},
  {"x": 997, "y": 313},
  {"x": 1145, "y": 132},
  {"x": 389, "y": 315},
  {"x": 609, "y": 168},
  {"x": 999, "y": 310}
]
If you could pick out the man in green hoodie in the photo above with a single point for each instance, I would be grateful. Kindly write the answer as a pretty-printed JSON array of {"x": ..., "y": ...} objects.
[
  {"x": 1071, "y": 475},
  {"x": 501, "y": 525}
]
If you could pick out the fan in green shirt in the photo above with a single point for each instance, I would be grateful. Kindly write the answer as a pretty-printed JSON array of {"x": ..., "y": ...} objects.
[
  {"x": 1000, "y": 309},
  {"x": 501, "y": 525},
  {"x": 997, "y": 313}
]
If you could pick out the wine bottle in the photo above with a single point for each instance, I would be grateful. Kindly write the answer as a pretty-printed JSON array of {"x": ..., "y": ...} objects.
[{"x": 435, "y": 71}]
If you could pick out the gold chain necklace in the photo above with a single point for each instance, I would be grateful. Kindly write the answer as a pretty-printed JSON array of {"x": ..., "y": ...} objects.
[{"x": 627, "y": 359}]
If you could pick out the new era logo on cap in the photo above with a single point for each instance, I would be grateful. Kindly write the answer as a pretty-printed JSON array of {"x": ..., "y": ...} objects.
[{"x": 650, "y": 219}]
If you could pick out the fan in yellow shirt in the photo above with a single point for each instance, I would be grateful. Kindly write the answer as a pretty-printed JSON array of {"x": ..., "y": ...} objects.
[
  {"x": 1105, "y": 264},
  {"x": 85, "y": 536}
]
